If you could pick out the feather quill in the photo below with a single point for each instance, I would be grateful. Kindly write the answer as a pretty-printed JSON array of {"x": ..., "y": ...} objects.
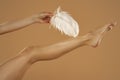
[{"x": 62, "y": 21}]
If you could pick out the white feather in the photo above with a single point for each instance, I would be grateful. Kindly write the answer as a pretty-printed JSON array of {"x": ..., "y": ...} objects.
[{"x": 65, "y": 23}]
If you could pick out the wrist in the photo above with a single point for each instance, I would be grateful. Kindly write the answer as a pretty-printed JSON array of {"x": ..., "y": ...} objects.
[{"x": 35, "y": 19}]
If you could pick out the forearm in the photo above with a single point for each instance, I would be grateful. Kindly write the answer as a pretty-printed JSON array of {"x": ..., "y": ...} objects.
[{"x": 9, "y": 27}]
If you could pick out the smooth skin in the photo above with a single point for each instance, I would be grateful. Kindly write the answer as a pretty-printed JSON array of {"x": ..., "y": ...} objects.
[
  {"x": 15, "y": 68},
  {"x": 43, "y": 17}
]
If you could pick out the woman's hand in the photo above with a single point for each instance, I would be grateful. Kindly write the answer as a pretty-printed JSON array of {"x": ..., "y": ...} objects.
[{"x": 43, "y": 17}]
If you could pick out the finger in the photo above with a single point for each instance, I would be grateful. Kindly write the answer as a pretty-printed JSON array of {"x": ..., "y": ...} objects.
[{"x": 46, "y": 14}]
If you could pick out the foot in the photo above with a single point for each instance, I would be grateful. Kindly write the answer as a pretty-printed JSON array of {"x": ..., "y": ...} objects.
[{"x": 97, "y": 35}]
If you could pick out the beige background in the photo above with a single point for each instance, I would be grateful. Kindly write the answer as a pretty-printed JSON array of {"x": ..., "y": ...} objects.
[{"x": 86, "y": 63}]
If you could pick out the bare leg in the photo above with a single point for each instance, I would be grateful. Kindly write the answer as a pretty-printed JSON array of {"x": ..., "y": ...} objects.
[{"x": 15, "y": 68}]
